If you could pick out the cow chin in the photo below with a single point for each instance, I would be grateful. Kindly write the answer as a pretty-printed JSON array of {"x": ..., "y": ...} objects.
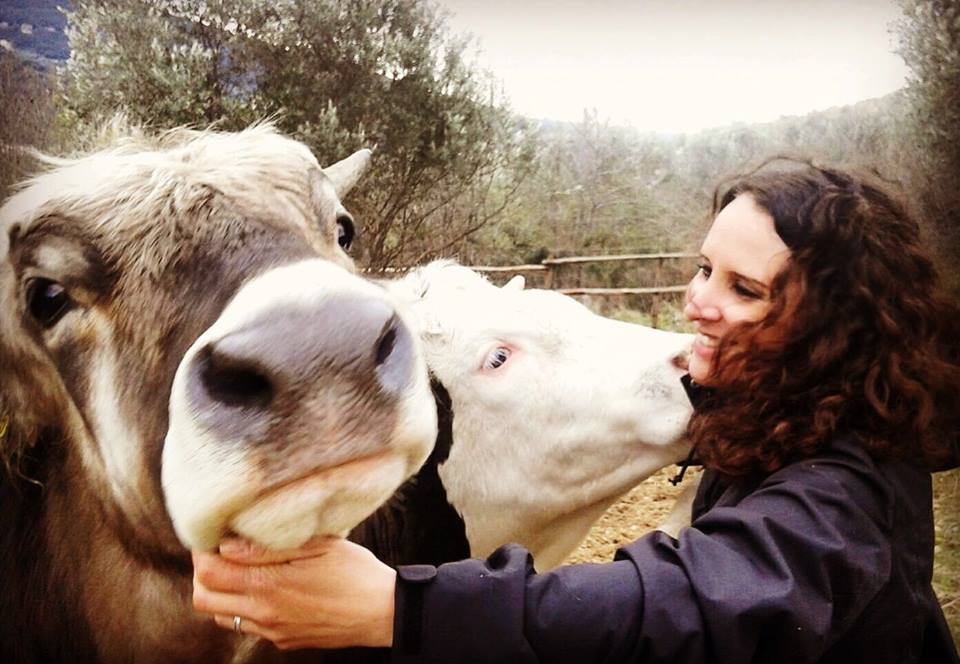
[
  {"x": 328, "y": 502},
  {"x": 215, "y": 488},
  {"x": 237, "y": 498}
]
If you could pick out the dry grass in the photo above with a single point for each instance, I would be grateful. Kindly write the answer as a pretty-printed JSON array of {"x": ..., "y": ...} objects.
[
  {"x": 637, "y": 513},
  {"x": 946, "y": 566}
]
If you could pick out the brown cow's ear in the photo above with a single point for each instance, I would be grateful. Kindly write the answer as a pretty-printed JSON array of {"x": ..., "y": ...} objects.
[{"x": 345, "y": 173}]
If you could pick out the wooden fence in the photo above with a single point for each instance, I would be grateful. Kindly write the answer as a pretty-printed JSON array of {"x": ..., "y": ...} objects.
[{"x": 551, "y": 269}]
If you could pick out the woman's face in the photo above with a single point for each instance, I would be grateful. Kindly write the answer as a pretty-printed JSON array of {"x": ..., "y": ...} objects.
[{"x": 740, "y": 257}]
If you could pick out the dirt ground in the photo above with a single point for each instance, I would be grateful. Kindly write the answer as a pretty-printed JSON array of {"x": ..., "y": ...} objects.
[{"x": 640, "y": 511}]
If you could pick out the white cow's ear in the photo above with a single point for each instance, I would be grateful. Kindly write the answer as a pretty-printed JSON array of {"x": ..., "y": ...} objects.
[
  {"x": 345, "y": 173},
  {"x": 516, "y": 284}
]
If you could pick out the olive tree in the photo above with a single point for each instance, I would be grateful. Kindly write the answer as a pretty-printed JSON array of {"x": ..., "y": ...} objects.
[
  {"x": 929, "y": 37},
  {"x": 337, "y": 75}
]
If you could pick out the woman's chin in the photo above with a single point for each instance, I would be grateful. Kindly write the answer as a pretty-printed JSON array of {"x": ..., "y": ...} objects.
[{"x": 699, "y": 370}]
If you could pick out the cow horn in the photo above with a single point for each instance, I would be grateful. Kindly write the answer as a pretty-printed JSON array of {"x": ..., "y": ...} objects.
[
  {"x": 516, "y": 284},
  {"x": 345, "y": 173}
]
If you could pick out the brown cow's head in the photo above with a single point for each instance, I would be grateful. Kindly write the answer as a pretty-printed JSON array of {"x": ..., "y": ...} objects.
[{"x": 189, "y": 299}]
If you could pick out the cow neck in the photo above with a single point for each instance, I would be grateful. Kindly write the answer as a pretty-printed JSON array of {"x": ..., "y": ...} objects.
[{"x": 418, "y": 525}]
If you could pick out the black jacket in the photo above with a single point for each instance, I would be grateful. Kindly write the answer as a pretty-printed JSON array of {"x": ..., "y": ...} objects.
[{"x": 827, "y": 560}]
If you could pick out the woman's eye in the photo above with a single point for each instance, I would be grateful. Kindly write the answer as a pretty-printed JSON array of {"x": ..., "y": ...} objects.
[
  {"x": 497, "y": 358},
  {"x": 745, "y": 292},
  {"x": 345, "y": 232},
  {"x": 47, "y": 302},
  {"x": 704, "y": 269}
]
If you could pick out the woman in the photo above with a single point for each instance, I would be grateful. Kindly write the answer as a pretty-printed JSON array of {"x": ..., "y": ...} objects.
[{"x": 831, "y": 368}]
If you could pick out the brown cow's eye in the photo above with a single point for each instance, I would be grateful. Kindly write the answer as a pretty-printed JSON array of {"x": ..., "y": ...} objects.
[
  {"x": 47, "y": 301},
  {"x": 345, "y": 231}
]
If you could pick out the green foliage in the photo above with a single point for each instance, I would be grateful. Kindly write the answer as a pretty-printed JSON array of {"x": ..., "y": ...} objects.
[
  {"x": 664, "y": 314},
  {"x": 137, "y": 57},
  {"x": 930, "y": 45},
  {"x": 595, "y": 190},
  {"x": 339, "y": 76}
]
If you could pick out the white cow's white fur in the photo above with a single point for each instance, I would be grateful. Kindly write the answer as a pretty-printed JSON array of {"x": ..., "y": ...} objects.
[
  {"x": 582, "y": 410},
  {"x": 212, "y": 485}
]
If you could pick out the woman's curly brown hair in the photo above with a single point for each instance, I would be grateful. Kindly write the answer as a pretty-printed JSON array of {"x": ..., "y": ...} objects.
[{"x": 860, "y": 338}]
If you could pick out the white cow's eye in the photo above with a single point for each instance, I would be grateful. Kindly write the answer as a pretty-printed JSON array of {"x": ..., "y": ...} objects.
[{"x": 497, "y": 358}]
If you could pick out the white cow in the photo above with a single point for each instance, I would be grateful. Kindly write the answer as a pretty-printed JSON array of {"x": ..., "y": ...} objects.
[{"x": 557, "y": 411}]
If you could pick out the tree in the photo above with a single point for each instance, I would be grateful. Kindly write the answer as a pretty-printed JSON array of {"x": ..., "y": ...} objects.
[
  {"x": 929, "y": 37},
  {"x": 26, "y": 120},
  {"x": 337, "y": 75}
]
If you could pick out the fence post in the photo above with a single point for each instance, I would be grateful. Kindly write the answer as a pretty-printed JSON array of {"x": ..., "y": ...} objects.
[{"x": 655, "y": 302}]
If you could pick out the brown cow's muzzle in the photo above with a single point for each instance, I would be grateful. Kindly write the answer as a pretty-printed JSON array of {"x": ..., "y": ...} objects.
[
  {"x": 252, "y": 378},
  {"x": 301, "y": 409}
]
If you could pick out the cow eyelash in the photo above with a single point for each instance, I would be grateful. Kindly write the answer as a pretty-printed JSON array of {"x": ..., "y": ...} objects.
[{"x": 497, "y": 358}]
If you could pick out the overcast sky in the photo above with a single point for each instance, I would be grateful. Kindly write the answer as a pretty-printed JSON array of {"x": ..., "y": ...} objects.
[{"x": 682, "y": 65}]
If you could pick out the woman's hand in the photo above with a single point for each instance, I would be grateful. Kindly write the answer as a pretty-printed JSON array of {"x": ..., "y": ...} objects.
[{"x": 330, "y": 593}]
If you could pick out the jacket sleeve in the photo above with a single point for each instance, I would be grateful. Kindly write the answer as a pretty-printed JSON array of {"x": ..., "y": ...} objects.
[
  {"x": 775, "y": 578},
  {"x": 500, "y": 610}
]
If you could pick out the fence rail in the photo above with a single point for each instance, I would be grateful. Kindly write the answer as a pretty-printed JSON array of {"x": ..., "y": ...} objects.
[
  {"x": 508, "y": 268},
  {"x": 651, "y": 290},
  {"x": 550, "y": 267},
  {"x": 571, "y": 260}
]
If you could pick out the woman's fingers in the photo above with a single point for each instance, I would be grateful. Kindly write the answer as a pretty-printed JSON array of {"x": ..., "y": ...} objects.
[
  {"x": 246, "y": 552},
  {"x": 328, "y": 594},
  {"x": 226, "y": 588},
  {"x": 216, "y": 573},
  {"x": 247, "y": 625},
  {"x": 226, "y": 604}
]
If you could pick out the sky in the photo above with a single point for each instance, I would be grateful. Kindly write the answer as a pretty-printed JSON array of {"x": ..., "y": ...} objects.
[{"x": 683, "y": 65}]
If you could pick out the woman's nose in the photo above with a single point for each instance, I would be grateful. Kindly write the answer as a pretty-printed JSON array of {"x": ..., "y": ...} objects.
[{"x": 699, "y": 304}]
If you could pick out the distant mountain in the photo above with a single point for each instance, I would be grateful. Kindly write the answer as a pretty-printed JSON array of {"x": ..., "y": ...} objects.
[{"x": 35, "y": 29}]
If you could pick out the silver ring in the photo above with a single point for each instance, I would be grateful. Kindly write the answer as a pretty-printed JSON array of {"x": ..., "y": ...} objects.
[{"x": 236, "y": 624}]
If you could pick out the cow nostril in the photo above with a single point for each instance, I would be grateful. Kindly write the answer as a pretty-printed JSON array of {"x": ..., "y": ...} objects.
[
  {"x": 234, "y": 383},
  {"x": 386, "y": 344}
]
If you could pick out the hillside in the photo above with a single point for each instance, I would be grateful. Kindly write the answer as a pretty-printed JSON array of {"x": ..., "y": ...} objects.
[{"x": 35, "y": 29}]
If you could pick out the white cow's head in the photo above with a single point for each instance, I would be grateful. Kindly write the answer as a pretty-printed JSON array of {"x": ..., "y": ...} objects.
[{"x": 557, "y": 411}]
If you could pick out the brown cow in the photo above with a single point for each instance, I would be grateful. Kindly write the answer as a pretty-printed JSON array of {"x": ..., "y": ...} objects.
[{"x": 214, "y": 262}]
